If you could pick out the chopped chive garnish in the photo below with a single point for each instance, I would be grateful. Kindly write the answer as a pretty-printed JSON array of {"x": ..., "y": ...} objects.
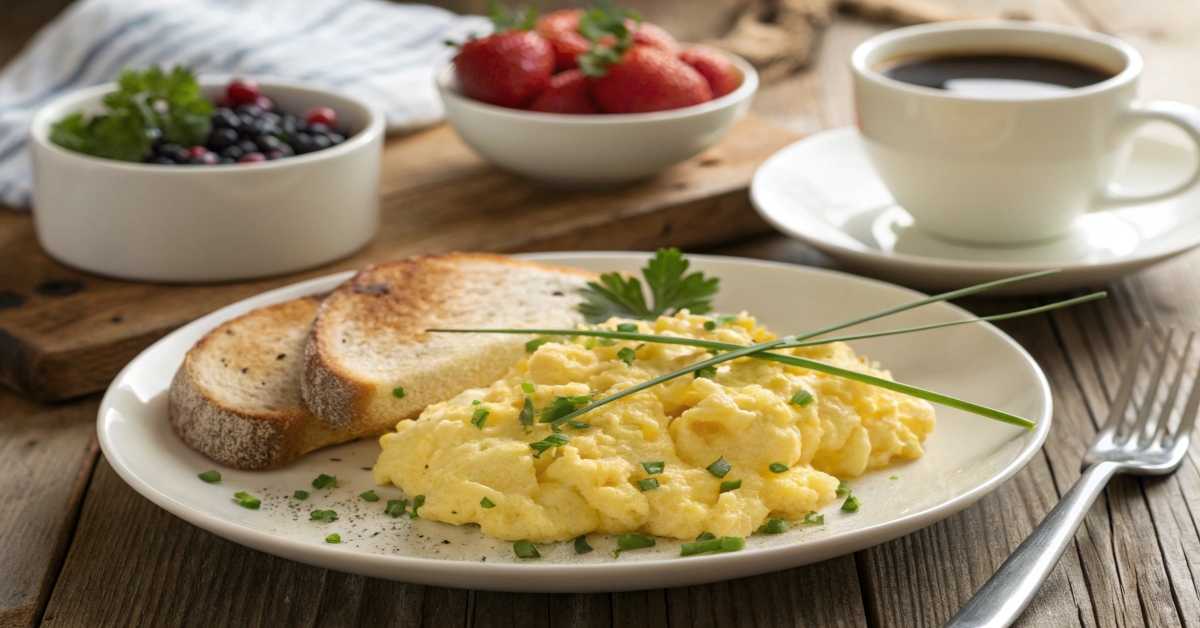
[
  {"x": 647, "y": 484},
  {"x": 525, "y": 549},
  {"x": 324, "y": 516},
  {"x": 710, "y": 325},
  {"x": 418, "y": 501},
  {"x": 300, "y": 495},
  {"x": 773, "y": 526},
  {"x": 893, "y": 477},
  {"x": 778, "y": 467},
  {"x": 850, "y": 505},
  {"x": 211, "y": 477},
  {"x": 813, "y": 518},
  {"x": 843, "y": 489},
  {"x": 626, "y": 542},
  {"x": 723, "y": 544},
  {"x": 706, "y": 536},
  {"x": 719, "y": 467},
  {"x": 369, "y": 496},
  {"x": 395, "y": 507},
  {"x": 479, "y": 418},
  {"x": 526, "y": 416},
  {"x": 527, "y": 388},
  {"x": 707, "y": 372},
  {"x": 627, "y": 327},
  {"x": 550, "y": 442},
  {"x": 533, "y": 345},
  {"x": 606, "y": 342},
  {"x": 802, "y": 398},
  {"x": 476, "y": 402},
  {"x": 579, "y": 400},
  {"x": 324, "y": 481},
  {"x": 246, "y": 500},
  {"x": 398, "y": 392},
  {"x": 561, "y": 407},
  {"x": 333, "y": 538},
  {"x": 581, "y": 545},
  {"x": 627, "y": 355},
  {"x": 487, "y": 503},
  {"x": 579, "y": 425},
  {"x": 654, "y": 467},
  {"x": 726, "y": 319},
  {"x": 730, "y": 485}
]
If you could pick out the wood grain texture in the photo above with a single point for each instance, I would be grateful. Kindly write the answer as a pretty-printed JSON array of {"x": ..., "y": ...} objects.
[{"x": 74, "y": 331}]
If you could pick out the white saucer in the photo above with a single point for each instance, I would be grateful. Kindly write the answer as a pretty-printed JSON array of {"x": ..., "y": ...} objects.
[{"x": 824, "y": 191}]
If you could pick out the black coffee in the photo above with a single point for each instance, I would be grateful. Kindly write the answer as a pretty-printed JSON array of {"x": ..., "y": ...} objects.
[{"x": 996, "y": 75}]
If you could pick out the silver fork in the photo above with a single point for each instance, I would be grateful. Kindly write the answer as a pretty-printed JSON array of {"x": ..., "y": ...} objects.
[{"x": 1136, "y": 439}]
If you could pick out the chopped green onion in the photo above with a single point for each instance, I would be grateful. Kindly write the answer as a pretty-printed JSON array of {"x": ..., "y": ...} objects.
[
  {"x": 579, "y": 425},
  {"x": 773, "y": 526},
  {"x": 333, "y": 538},
  {"x": 369, "y": 496},
  {"x": 533, "y": 345},
  {"x": 210, "y": 476},
  {"x": 395, "y": 507},
  {"x": 843, "y": 489},
  {"x": 726, "y": 319},
  {"x": 324, "y": 516},
  {"x": 710, "y": 325},
  {"x": 551, "y": 441},
  {"x": 850, "y": 505},
  {"x": 476, "y": 402},
  {"x": 627, "y": 355},
  {"x": 802, "y": 398},
  {"x": 893, "y": 477},
  {"x": 246, "y": 500},
  {"x": 561, "y": 407},
  {"x": 300, "y": 495},
  {"x": 707, "y": 372},
  {"x": 398, "y": 392},
  {"x": 527, "y": 388},
  {"x": 581, "y": 545},
  {"x": 813, "y": 519},
  {"x": 418, "y": 501},
  {"x": 487, "y": 503},
  {"x": 627, "y": 327},
  {"x": 719, "y": 467},
  {"x": 479, "y": 418},
  {"x": 730, "y": 485},
  {"x": 654, "y": 467},
  {"x": 647, "y": 484},
  {"x": 778, "y": 467},
  {"x": 723, "y": 544},
  {"x": 626, "y": 542},
  {"x": 526, "y": 416},
  {"x": 525, "y": 549},
  {"x": 706, "y": 536},
  {"x": 324, "y": 481}
]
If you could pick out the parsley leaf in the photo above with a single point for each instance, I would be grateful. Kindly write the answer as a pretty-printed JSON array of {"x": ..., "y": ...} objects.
[{"x": 671, "y": 288}]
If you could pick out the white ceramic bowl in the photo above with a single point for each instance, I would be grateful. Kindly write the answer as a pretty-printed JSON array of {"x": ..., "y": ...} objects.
[
  {"x": 592, "y": 150},
  {"x": 208, "y": 223}
]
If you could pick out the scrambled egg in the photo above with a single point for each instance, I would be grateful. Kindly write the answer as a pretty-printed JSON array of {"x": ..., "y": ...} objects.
[{"x": 471, "y": 456}]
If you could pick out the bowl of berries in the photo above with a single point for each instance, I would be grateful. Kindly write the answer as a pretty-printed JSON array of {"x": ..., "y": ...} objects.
[
  {"x": 166, "y": 177},
  {"x": 589, "y": 98}
]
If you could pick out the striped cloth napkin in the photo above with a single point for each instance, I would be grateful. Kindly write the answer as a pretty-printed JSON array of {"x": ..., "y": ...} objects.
[{"x": 379, "y": 51}]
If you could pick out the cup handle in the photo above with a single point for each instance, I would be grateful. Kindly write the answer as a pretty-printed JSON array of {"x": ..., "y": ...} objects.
[{"x": 1184, "y": 117}]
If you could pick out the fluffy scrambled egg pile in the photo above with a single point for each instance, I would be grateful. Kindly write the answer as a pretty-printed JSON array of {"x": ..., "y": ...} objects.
[{"x": 786, "y": 434}]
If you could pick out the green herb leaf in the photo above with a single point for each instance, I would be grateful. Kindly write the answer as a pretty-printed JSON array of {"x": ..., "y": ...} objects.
[
  {"x": 626, "y": 542},
  {"x": 246, "y": 500},
  {"x": 579, "y": 425},
  {"x": 324, "y": 516},
  {"x": 525, "y": 549},
  {"x": 655, "y": 467},
  {"x": 730, "y": 485},
  {"x": 300, "y": 495},
  {"x": 720, "y": 467},
  {"x": 211, "y": 476},
  {"x": 533, "y": 345},
  {"x": 710, "y": 325},
  {"x": 550, "y": 442},
  {"x": 671, "y": 288},
  {"x": 527, "y": 388},
  {"x": 627, "y": 355},
  {"x": 802, "y": 398},
  {"x": 479, "y": 418},
  {"x": 627, "y": 327},
  {"x": 581, "y": 545},
  {"x": 850, "y": 505},
  {"x": 369, "y": 496},
  {"x": 813, "y": 519},
  {"x": 333, "y": 538},
  {"x": 723, "y": 544},
  {"x": 395, "y": 507},
  {"x": 399, "y": 392},
  {"x": 487, "y": 503},
  {"x": 843, "y": 489},
  {"x": 773, "y": 526},
  {"x": 324, "y": 481},
  {"x": 561, "y": 407},
  {"x": 778, "y": 467},
  {"x": 647, "y": 484},
  {"x": 707, "y": 372},
  {"x": 418, "y": 501},
  {"x": 526, "y": 416}
]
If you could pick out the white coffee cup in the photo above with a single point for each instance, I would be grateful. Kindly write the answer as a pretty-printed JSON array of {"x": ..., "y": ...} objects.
[{"x": 1006, "y": 169}]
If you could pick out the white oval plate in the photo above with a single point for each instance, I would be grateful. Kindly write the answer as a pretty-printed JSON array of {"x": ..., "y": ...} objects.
[
  {"x": 966, "y": 458},
  {"x": 824, "y": 191}
]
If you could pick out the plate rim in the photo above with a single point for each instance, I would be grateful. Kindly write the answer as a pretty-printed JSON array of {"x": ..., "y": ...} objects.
[
  {"x": 544, "y": 577},
  {"x": 864, "y": 254}
]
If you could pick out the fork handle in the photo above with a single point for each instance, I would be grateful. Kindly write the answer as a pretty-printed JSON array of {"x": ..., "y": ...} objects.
[{"x": 1002, "y": 598}]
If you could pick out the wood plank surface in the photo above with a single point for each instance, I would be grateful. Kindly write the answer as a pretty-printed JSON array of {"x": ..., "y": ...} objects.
[{"x": 65, "y": 333}]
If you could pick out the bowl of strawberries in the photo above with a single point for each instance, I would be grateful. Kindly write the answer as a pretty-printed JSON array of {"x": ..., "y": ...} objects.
[{"x": 587, "y": 98}]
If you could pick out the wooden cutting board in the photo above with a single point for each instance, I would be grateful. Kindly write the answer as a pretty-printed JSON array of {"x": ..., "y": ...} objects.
[{"x": 65, "y": 333}]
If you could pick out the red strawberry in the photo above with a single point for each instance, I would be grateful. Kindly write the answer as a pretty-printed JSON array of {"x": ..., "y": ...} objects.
[
  {"x": 508, "y": 69},
  {"x": 561, "y": 29},
  {"x": 568, "y": 93},
  {"x": 649, "y": 79},
  {"x": 715, "y": 67},
  {"x": 653, "y": 35}
]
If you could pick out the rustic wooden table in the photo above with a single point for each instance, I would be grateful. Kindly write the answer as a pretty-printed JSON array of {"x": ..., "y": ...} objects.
[{"x": 78, "y": 547}]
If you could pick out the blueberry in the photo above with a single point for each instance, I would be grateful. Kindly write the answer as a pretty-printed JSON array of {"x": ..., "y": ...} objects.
[
  {"x": 318, "y": 128},
  {"x": 160, "y": 159},
  {"x": 321, "y": 142},
  {"x": 251, "y": 110},
  {"x": 228, "y": 160},
  {"x": 220, "y": 138},
  {"x": 225, "y": 118},
  {"x": 248, "y": 146},
  {"x": 175, "y": 152},
  {"x": 336, "y": 138},
  {"x": 233, "y": 152},
  {"x": 268, "y": 143},
  {"x": 303, "y": 143}
]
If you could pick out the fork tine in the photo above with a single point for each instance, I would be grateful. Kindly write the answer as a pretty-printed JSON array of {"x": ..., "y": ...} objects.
[
  {"x": 1155, "y": 430},
  {"x": 1188, "y": 418},
  {"x": 1143, "y": 425},
  {"x": 1116, "y": 412}
]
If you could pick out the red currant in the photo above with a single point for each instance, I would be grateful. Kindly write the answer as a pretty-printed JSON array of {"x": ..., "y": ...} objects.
[
  {"x": 242, "y": 91},
  {"x": 249, "y": 158},
  {"x": 321, "y": 115},
  {"x": 264, "y": 103},
  {"x": 197, "y": 151}
]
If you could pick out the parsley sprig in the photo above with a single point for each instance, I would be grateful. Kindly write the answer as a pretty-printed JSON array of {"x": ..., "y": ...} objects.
[{"x": 671, "y": 287}]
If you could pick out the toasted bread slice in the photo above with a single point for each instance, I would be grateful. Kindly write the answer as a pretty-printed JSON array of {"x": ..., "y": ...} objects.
[
  {"x": 369, "y": 363},
  {"x": 236, "y": 398}
]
